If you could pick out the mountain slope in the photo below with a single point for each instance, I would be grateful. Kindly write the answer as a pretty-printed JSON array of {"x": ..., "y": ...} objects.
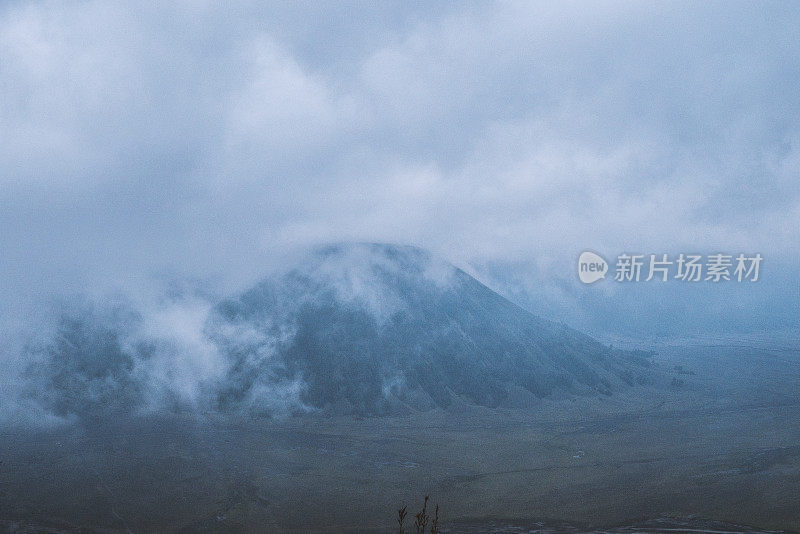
[
  {"x": 360, "y": 328},
  {"x": 376, "y": 328}
]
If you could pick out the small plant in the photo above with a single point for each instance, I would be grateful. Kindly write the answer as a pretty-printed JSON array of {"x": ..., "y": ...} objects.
[
  {"x": 421, "y": 519},
  {"x": 401, "y": 515},
  {"x": 435, "y": 524}
]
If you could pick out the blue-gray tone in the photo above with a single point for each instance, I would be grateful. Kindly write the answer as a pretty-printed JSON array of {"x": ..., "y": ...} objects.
[{"x": 149, "y": 152}]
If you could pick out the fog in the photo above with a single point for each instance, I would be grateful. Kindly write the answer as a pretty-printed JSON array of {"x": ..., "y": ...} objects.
[
  {"x": 287, "y": 266},
  {"x": 204, "y": 143}
]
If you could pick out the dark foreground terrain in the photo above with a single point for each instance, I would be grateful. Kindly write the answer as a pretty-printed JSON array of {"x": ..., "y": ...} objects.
[
  {"x": 721, "y": 447},
  {"x": 662, "y": 525},
  {"x": 651, "y": 527}
]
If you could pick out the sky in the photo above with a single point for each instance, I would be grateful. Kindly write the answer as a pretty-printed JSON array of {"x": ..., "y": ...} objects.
[{"x": 151, "y": 141}]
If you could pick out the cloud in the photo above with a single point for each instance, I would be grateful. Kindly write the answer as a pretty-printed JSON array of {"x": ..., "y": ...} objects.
[
  {"x": 183, "y": 364},
  {"x": 195, "y": 140}
]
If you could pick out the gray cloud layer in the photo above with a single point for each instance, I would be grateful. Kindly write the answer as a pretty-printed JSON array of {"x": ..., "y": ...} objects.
[{"x": 208, "y": 141}]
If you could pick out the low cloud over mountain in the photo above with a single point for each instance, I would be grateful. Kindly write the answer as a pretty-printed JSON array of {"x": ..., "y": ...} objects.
[{"x": 356, "y": 328}]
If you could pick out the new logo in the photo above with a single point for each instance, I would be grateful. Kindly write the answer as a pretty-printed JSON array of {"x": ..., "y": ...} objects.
[{"x": 591, "y": 267}]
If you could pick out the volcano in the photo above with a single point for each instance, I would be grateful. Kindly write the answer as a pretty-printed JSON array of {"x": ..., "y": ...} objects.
[
  {"x": 365, "y": 329},
  {"x": 373, "y": 329}
]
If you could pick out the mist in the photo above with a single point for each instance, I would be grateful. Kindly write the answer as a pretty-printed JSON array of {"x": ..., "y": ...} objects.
[
  {"x": 290, "y": 266},
  {"x": 202, "y": 143}
]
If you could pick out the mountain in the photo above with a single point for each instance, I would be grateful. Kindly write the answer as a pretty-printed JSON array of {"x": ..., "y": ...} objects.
[
  {"x": 373, "y": 328},
  {"x": 366, "y": 329}
]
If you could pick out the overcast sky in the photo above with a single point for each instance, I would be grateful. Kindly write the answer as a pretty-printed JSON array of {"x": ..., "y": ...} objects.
[{"x": 208, "y": 139}]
